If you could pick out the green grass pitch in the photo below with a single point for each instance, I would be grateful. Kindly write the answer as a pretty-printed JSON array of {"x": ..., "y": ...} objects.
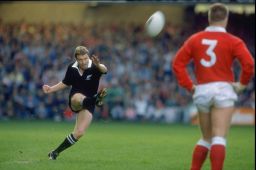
[{"x": 115, "y": 146}]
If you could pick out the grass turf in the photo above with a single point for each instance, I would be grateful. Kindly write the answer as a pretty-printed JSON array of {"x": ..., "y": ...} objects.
[{"x": 115, "y": 146}]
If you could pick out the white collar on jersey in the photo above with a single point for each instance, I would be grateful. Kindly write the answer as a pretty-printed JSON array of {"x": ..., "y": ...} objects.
[
  {"x": 75, "y": 65},
  {"x": 215, "y": 29}
]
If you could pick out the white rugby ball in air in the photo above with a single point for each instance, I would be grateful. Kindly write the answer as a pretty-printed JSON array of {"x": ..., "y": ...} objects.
[{"x": 155, "y": 23}]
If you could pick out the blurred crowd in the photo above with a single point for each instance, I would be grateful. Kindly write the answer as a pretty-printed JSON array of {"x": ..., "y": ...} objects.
[{"x": 140, "y": 82}]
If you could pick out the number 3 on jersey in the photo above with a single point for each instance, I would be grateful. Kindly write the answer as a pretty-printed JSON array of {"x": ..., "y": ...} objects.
[{"x": 211, "y": 45}]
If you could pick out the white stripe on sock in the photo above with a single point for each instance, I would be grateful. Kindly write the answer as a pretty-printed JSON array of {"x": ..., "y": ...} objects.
[
  {"x": 70, "y": 139},
  {"x": 204, "y": 143},
  {"x": 217, "y": 140}
]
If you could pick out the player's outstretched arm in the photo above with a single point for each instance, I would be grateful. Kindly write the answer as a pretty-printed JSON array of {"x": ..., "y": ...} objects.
[
  {"x": 102, "y": 68},
  {"x": 54, "y": 88}
]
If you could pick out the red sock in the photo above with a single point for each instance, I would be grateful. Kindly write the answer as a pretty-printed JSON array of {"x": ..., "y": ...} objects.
[
  {"x": 217, "y": 156},
  {"x": 199, "y": 156}
]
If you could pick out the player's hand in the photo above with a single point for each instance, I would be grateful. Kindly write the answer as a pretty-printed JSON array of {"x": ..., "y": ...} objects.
[
  {"x": 95, "y": 60},
  {"x": 238, "y": 87},
  {"x": 46, "y": 89}
]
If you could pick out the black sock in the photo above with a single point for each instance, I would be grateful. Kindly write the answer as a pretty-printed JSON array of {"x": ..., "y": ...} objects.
[
  {"x": 69, "y": 140},
  {"x": 88, "y": 101}
]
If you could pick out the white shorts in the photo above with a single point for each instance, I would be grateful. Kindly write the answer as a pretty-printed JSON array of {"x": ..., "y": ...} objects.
[{"x": 217, "y": 94}]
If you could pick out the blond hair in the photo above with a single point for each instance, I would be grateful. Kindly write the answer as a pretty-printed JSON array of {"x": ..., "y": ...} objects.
[
  {"x": 81, "y": 50},
  {"x": 218, "y": 12}
]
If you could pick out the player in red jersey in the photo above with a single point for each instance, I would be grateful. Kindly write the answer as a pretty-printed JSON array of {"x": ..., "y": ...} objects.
[{"x": 213, "y": 52}]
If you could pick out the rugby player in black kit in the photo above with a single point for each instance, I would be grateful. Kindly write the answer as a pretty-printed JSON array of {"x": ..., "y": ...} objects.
[{"x": 83, "y": 76}]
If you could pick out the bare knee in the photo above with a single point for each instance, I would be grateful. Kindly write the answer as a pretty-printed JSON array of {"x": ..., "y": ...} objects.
[{"x": 76, "y": 100}]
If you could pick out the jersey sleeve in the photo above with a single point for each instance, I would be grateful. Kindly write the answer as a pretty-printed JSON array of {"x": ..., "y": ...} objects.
[
  {"x": 181, "y": 60},
  {"x": 68, "y": 77},
  {"x": 243, "y": 55}
]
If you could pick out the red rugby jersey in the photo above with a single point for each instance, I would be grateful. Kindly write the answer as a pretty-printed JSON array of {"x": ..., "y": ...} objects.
[{"x": 213, "y": 52}]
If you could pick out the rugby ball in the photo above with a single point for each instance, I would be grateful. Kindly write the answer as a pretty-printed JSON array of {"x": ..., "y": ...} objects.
[{"x": 155, "y": 23}]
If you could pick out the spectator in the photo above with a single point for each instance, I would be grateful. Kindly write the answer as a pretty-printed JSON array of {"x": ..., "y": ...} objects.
[{"x": 137, "y": 65}]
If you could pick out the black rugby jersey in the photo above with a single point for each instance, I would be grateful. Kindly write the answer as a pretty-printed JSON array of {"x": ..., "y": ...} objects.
[{"x": 87, "y": 83}]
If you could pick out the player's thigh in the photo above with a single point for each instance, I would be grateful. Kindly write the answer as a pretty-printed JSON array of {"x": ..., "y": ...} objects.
[
  {"x": 221, "y": 120},
  {"x": 203, "y": 97},
  {"x": 83, "y": 120},
  {"x": 223, "y": 108},
  {"x": 205, "y": 125},
  {"x": 76, "y": 101}
]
